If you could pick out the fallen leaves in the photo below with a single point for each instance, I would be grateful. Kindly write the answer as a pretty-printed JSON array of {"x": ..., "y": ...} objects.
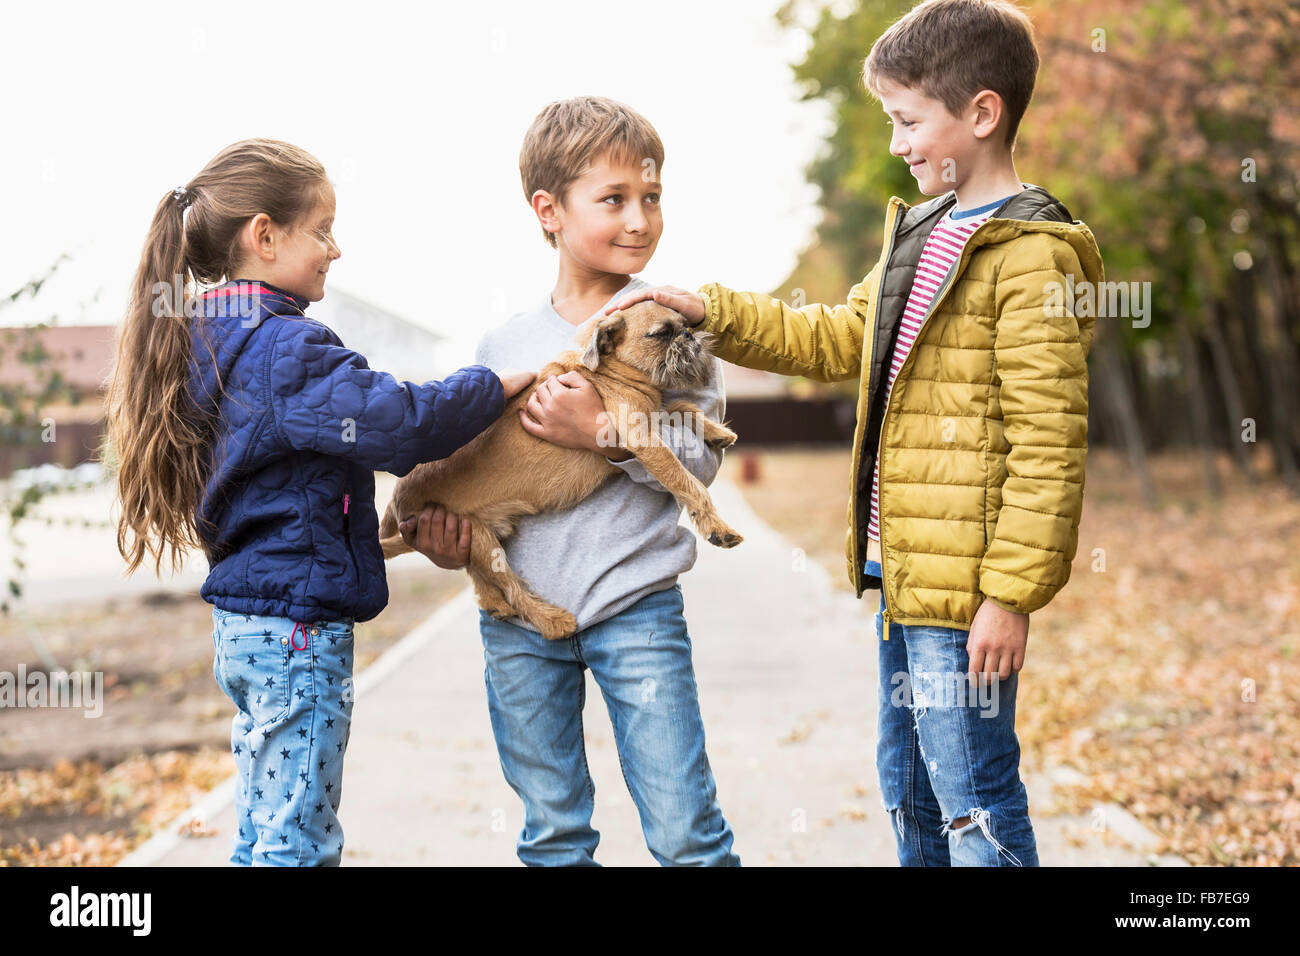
[
  {"x": 1169, "y": 675},
  {"x": 83, "y": 812},
  {"x": 114, "y": 808},
  {"x": 1169, "y": 678}
]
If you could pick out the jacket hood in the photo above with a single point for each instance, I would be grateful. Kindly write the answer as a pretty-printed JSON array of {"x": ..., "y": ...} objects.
[{"x": 1033, "y": 209}]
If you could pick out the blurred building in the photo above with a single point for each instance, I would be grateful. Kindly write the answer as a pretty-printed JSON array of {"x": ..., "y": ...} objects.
[
  {"x": 390, "y": 343},
  {"x": 75, "y": 360},
  {"x": 768, "y": 409}
]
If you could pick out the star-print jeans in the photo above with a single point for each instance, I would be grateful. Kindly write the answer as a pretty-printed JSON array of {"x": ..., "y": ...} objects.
[
  {"x": 947, "y": 749},
  {"x": 641, "y": 660},
  {"x": 293, "y": 686}
]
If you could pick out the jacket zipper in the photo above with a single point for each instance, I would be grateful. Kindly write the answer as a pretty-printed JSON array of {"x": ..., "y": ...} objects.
[
  {"x": 937, "y": 301},
  {"x": 891, "y": 230},
  {"x": 897, "y": 210},
  {"x": 347, "y": 530}
]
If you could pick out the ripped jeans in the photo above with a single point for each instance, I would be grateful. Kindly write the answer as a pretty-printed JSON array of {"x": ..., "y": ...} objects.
[{"x": 947, "y": 749}]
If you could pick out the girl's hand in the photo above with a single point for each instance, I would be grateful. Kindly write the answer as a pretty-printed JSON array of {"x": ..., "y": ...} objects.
[
  {"x": 515, "y": 382},
  {"x": 997, "y": 640},
  {"x": 691, "y": 305},
  {"x": 439, "y": 535}
]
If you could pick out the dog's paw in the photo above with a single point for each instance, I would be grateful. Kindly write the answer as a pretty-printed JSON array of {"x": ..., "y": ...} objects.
[
  {"x": 500, "y": 611},
  {"x": 556, "y": 623},
  {"x": 724, "y": 440},
  {"x": 722, "y": 536},
  {"x": 394, "y": 546}
]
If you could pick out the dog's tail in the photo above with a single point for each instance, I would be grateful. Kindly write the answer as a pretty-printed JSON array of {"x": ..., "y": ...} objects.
[{"x": 390, "y": 539}]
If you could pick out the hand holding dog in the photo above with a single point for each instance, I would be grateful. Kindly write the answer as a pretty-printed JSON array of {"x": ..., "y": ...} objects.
[
  {"x": 626, "y": 361},
  {"x": 691, "y": 305},
  {"x": 567, "y": 410},
  {"x": 439, "y": 535}
]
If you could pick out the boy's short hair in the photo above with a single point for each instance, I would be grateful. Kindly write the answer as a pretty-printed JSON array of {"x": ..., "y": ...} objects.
[
  {"x": 952, "y": 49},
  {"x": 568, "y": 135}
]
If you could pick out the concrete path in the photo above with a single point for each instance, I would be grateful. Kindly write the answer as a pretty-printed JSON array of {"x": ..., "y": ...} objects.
[{"x": 787, "y": 673}]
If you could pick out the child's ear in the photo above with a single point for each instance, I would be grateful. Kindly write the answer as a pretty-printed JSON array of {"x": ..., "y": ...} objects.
[
  {"x": 986, "y": 107},
  {"x": 258, "y": 238},
  {"x": 547, "y": 210},
  {"x": 603, "y": 338}
]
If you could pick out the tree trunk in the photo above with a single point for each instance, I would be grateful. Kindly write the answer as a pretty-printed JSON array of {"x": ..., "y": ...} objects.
[
  {"x": 1247, "y": 294},
  {"x": 1286, "y": 305},
  {"x": 1194, "y": 395},
  {"x": 1120, "y": 397},
  {"x": 1231, "y": 388}
]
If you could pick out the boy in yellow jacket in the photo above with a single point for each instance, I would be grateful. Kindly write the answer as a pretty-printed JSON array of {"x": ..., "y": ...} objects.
[{"x": 968, "y": 456}]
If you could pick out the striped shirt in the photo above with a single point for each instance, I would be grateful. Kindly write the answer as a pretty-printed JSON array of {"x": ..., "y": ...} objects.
[{"x": 942, "y": 249}]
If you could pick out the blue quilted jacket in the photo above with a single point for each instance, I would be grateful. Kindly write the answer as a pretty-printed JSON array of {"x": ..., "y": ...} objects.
[{"x": 288, "y": 514}]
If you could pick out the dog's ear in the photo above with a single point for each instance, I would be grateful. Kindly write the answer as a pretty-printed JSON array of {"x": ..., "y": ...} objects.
[{"x": 602, "y": 339}]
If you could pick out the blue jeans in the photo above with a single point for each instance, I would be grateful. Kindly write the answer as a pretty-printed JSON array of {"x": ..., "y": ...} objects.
[
  {"x": 947, "y": 749},
  {"x": 641, "y": 660},
  {"x": 292, "y": 684}
]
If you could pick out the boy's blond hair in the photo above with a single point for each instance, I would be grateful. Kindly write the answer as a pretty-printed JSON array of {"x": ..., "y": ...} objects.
[
  {"x": 952, "y": 49},
  {"x": 569, "y": 135}
]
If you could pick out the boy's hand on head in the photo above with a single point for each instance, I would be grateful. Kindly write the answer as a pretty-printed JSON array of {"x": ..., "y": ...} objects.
[
  {"x": 691, "y": 305},
  {"x": 515, "y": 382},
  {"x": 567, "y": 410},
  {"x": 439, "y": 535},
  {"x": 997, "y": 640}
]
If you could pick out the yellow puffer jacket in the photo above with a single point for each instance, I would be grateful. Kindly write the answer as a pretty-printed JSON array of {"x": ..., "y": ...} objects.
[{"x": 983, "y": 439}]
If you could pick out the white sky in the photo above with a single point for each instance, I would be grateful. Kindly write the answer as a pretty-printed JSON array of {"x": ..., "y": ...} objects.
[{"x": 417, "y": 112}]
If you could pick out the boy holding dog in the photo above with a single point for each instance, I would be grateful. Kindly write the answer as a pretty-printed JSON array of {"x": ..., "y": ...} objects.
[
  {"x": 591, "y": 171},
  {"x": 968, "y": 456}
]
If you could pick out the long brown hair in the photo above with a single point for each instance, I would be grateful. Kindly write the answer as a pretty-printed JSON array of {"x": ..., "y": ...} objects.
[{"x": 158, "y": 440}]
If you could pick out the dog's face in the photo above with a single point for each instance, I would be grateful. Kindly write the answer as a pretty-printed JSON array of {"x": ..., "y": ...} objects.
[{"x": 652, "y": 339}]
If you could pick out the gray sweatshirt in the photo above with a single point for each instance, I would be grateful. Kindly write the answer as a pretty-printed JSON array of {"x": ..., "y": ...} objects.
[{"x": 623, "y": 542}]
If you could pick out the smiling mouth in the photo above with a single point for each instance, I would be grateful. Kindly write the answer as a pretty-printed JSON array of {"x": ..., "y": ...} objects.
[{"x": 621, "y": 246}]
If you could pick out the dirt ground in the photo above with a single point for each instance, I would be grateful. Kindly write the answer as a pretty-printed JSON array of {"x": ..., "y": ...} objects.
[
  {"x": 1166, "y": 671},
  {"x": 74, "y": 789}
]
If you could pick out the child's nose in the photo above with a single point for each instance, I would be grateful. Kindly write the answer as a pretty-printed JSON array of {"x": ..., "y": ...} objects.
[{"x": 636, "y": 220}]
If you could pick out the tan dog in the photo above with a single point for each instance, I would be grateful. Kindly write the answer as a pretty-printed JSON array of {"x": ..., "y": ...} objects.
[{"x": 630, "y": 358}]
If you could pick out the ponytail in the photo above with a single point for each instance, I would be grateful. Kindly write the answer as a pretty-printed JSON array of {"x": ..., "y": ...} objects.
[
  {"x": 156, "y": 433},
  {"x": 158, "y": 440}
]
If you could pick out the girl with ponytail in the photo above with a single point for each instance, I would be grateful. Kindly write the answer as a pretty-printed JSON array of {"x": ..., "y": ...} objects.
[{"x": 242, "y": 427}]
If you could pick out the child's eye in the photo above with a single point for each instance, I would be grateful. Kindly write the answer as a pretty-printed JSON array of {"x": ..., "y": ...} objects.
[
  {"x": 653, "y": 197},
  {"x": 617, "y": 198}
]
